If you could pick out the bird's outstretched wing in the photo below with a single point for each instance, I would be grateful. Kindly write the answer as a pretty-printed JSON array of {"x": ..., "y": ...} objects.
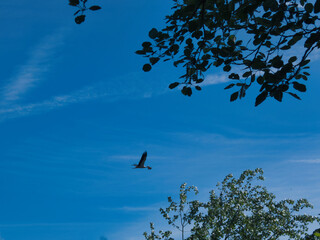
[{"x": 143, "y": 159}]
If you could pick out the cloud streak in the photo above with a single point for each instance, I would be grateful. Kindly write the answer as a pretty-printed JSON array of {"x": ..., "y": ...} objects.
[
  {"x": 216, "y": 78},
  {"x": 107, "y": 90},
  {"x": 39, "y": 62},
  {"x": 308, "y": 161},
  {"x": 30, "y": 73},
  {"x": 53, "y": 103}
]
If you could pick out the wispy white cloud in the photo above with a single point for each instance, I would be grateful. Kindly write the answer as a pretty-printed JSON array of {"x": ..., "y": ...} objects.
[
  {"x": 299, "y": 51},
  {"x": 39, "y": 63},
  {"x": 31, "y": 71},
  {"x": 107, "y": 90},
  {"x": 217, "y": 78},
  {"x": 308, "y": 161},
  {"x": 53, "y": 103},
  {"x": 315, "y": 55},
  {"x": 205, "y": 138}
]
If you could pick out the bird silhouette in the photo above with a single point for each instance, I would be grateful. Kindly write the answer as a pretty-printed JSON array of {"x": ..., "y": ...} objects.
[{"x": 142, "y": 161}]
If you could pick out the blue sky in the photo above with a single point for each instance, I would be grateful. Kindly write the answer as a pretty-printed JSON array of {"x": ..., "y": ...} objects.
[{"x": 76, "y": 111}]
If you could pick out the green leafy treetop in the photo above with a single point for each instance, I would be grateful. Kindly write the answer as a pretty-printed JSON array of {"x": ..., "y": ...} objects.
[
  {"x": 314, "y": 236},
  {"x": 252, "y": 35},
  {"x": 240, "y": 210}
]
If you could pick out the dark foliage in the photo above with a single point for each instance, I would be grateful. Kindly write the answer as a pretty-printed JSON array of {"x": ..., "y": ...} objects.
[{"x": 252, "y": 35}]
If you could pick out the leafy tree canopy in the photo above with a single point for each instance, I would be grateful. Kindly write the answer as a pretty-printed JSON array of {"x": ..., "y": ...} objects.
[
  {"x": 239, "y": 210},
  {"x": 252, "y": 40},
  {"x": 314, "y": 236}
]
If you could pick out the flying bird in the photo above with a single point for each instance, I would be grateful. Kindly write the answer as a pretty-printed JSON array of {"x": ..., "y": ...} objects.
[{"x": 142, "y": 161}]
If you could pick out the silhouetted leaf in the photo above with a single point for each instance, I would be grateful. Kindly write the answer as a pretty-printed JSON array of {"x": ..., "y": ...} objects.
[
  {"x": 229, "y": 86},
  {"x": 173, "y": 85},
  {"x": 242, "y": 91},
  {"x": 316, "y": 8},
  {"x": 246, "y": 74},
  {"x": 234, "y": 96},
  {"x": 154, "y": 60},
  {"x": 278, "y": 95},
  {"x": 146, "y": 44},
  {"x": 218, "y": 62},
  {"x": 283, "y": 87},
  {"x": 187, "y": 91},
  {"x": 277, "y": 62},
  {"x": 227, "y": 68},
  {"x": 294, "y": 95},
  {"x": 297, "y": 37},
  {"x": 234, "y": 76},
  {"x": 176, "y": 63},
  {"x": 261, "y": 97},
  {"x": 285, "y": 47},
  {"x": 260, "y": 80},
  {"x": 95, "y": 7},
  {"x": 174, "y": 48},
  {"x": 305, "y": 62},
  {"x": 293, "y": 59},
  {"x": 308, "y": 7},
  {"x": 198, "y": 88},
  {"x": 80, "y": 19},
  {"x": 147, "y": 67},
  {"x": 141, "y": 52},
  {"x": 153, "y": 33},
  {"x": 253, "y": 78},
  {"x": 73, "y": 2},
  {"x": 187, "y": 52},
  {"x": 300, "y": 87},
  {"x": 270, "y": 4}
]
